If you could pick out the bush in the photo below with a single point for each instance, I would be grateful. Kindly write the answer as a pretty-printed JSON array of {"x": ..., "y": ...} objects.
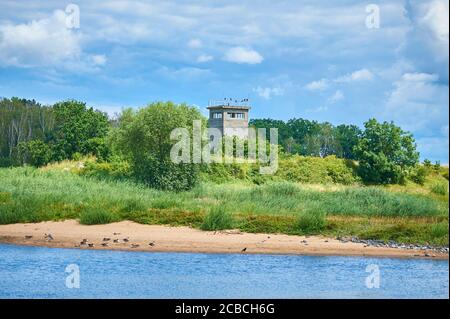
[
  {"x": 35, "y": 153},
  {"x": 5, "y": 161},
  {"x": 418, "y": 175},
  {"x": 98, "y": 147},
  {"x": 116, "y": 169},
  {"x": 166, "y": 175},
  {"x": 217, "y": 219},
  {"x": 316, "y": 170},
  {"x": 439, "y": 188}
]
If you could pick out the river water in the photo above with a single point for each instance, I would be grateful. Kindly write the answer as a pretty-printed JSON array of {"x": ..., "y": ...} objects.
[{"x": 39, "y": 272}]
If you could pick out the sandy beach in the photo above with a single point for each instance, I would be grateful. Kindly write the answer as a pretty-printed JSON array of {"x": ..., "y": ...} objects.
[{"x": 128, "y": 235}]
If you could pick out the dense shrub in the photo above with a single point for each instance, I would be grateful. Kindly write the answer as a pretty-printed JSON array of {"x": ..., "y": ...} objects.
[
  {"x": 317, "y": 170},
  {"x": 165, "y": 175},
  {"x": 115, "y": 169},
  {"x": 97, "y": 146},
  {"x": 418, "y": 175},
  {"x": 34, "y": 152}
]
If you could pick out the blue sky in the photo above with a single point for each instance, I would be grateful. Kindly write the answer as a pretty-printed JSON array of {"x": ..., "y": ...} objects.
[{"x": 312, "y": 59}]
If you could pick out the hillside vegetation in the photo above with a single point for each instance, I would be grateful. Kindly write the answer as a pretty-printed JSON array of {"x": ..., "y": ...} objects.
[{"x": 405, "y": 213}]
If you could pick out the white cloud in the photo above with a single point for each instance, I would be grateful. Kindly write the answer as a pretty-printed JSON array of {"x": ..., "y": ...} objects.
[
  {"x": 436, "y": 20},
  {"x": 420, "y": 77},
  {"x": 268, "y": 92},
  {"x": 317, "y": 85},
  {"x": 356, "y": 76},
  {"x": 360, "y": 75},
  {"x": 39, "y": 42},
  {"x": 419, "y": 103},
  {"x": 337, "y": 96},
  {"x": 195, "y": 43},
  {"x": 204, "y": 58},
  {"x": 243, "y": 55},
  {"x": 427, "y": 42}
]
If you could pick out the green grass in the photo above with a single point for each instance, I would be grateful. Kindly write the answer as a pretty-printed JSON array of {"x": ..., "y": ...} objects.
[
  {"x": 439, "y": 188},
  {"x": 96, "y": 215},
  {"x": 32, "y": 195},
  {"x": 217, "y": 219}
]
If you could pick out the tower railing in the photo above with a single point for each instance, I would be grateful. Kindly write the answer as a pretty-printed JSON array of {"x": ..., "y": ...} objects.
[{"x": 229, "y": 102}]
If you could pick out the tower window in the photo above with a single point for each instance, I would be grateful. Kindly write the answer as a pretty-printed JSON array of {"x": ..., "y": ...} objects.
[
  {"x": 236, "y": 115},
  {"x": 217, "y": 115}
]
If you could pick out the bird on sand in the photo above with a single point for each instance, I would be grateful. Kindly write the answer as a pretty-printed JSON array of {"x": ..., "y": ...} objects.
[
  {"x": 91, "y": 245},
  {"x": 48, "y": 236},
  {"x": 115, "y": 240},
  {"x": 105, "y": 244},
  {"x": 106, "y": 239},
  {"x": 152, "y": 243},
  {"x": 28, "y": 236},
  {"x": 126, "y": 240},
  {"x": 134, "y": 245},
  {"x": 244, "y": 250}
]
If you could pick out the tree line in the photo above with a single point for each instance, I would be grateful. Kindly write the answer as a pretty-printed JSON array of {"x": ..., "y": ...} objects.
[
  {"x": 311, "y": 138},
  {"x": 35, "y": 134}
]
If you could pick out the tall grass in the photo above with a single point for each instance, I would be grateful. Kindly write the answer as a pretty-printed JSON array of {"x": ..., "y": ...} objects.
[
  {"x": 96, "y": 215},
  {"x": 311, "y": 223},
  {"x": 31, "y": 195},
  {"x": 217, "y": 219},
  {"x": 439, "y": 188}
]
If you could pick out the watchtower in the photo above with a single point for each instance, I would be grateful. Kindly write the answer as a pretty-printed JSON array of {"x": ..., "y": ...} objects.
[{"x": 230, "y": 116}]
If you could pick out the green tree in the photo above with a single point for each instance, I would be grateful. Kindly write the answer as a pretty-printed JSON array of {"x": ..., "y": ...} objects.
[
  {"x": 302, "y": 130},
  {"x": 323, "y": 143},
  {"x": 348, "y": 137},
  {"x": 22, "y": 120},
  {"x": 75, "y": 126},
  {"x": 385, "y": 153},
  {"x": 143, "y": 137}
]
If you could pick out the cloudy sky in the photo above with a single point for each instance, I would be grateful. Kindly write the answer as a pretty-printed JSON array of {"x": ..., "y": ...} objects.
[{"x": 321, "y": 60}]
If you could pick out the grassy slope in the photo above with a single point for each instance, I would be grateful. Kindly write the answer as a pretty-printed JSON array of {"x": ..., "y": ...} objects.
[{"x": 404, "y": 213}]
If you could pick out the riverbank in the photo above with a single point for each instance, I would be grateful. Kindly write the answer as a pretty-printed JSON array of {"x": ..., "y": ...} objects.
[{"x": 127, "y": 235}]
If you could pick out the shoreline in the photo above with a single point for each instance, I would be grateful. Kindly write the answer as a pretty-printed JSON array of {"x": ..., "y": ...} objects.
[{"x": 131, "y": 236}]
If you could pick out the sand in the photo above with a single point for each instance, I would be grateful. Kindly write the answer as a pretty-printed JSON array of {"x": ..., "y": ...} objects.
[{"x": 137, "y": 237}]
